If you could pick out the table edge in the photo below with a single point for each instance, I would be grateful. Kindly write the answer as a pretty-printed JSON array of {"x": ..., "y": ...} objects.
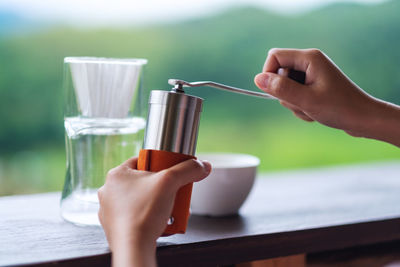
[{"x": 256, "y": 247}]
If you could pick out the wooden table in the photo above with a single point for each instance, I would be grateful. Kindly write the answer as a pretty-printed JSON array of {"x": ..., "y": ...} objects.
[{"x": 315, "y": 212}]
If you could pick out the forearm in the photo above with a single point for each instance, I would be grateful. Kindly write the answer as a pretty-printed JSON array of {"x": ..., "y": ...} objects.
[
  {"x": 132, "y": 254},
  {"x": 380, "y": 121},
  {"x": 385, "y": 125}
]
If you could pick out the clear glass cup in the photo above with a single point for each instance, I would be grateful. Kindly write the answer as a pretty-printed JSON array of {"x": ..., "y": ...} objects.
[{"x": 104, "y": 125}]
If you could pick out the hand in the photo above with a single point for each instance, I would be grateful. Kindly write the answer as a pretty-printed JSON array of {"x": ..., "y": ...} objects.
[
  {"x": 327, "y": 96},
  {"x": 135, "y": 207}
]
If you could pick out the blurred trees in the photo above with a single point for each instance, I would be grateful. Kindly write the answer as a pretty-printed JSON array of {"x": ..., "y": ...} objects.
[{"x": 229, "y": 48}]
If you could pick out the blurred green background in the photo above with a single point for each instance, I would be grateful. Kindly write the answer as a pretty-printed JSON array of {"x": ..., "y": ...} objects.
[{"x": 229, "y": 47}]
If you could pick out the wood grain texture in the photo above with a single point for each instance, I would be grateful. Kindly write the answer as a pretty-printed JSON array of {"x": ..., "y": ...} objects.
[{"x": 287, "y": 213}]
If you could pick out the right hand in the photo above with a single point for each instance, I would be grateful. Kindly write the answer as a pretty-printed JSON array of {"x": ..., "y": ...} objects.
[{"x": 328, "y": 95}]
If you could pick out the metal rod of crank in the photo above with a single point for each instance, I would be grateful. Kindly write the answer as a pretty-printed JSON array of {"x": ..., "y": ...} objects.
[{"x": 226, "y": 88}]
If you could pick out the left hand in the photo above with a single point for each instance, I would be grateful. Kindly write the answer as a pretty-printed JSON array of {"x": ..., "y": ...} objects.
[{"x": 135, "y": 205}]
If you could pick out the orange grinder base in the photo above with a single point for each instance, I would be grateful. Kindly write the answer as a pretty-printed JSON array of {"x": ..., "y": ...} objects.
[{"x": 157, "y": 160}]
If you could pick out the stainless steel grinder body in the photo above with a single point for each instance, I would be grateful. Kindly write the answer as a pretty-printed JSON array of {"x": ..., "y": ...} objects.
[
  {"x": 170, "y": 138},
  {"x": 173, "y": 122}
]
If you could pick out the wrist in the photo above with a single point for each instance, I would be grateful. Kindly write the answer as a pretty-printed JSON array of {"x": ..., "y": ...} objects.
[
  {"x": 382, "y": 122},
  {"x": 133, "y": 250}
]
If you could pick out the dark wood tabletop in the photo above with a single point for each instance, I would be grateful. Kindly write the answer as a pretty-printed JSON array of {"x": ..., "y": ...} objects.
[{"x": 287, "y": 213}]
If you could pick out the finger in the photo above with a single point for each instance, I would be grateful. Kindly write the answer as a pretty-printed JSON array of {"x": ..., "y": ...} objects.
[
  {"x": 298, "y": 112},
  {"x": 100, "y": 193},
  {"x": 298, "y": 59},
  {"x": 302, "y": 116},
  {"x": 100, "y": 215},
  {"x": 284, "y": 89},
  {"x": 186, "y": 172},
  {"x": 131, "y": 163},
  {"x": 289, "y": 106}
]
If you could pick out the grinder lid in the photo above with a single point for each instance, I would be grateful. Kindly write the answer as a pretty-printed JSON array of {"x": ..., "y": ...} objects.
[{"x": 176, "y": 99}]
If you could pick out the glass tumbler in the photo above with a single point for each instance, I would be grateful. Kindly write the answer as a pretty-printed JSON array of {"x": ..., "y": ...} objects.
[{"x": 104, "y": 125}]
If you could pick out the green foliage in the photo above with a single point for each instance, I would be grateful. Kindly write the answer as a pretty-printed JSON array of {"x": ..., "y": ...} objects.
[
  {"x": 229, "y": 48},
  {"x": 289, "y": 143}
]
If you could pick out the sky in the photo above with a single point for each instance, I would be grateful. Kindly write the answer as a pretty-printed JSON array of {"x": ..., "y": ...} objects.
[{"x": 122, "y": 12}]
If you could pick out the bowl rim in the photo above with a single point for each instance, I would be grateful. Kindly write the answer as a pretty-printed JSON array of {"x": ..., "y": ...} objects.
[{"x": 252, "y": 161}]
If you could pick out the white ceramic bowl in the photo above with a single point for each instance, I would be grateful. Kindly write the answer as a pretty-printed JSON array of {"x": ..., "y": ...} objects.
[{"x": 223, "y": 192}]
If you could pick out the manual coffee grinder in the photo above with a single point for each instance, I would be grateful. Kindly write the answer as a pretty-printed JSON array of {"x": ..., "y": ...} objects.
[{"x": 171, "y": 136}]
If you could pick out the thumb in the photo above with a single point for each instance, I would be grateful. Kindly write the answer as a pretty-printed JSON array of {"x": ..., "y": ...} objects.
[
  {"x": 186, "y": 172},
  {"x": 283, "y": 88}
]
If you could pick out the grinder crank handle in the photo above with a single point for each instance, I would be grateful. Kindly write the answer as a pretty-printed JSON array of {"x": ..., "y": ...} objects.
[{"x": 298, "y": 76}]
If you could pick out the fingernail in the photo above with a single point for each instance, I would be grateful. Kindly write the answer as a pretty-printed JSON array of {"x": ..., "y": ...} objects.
[
  {"x": 261, "y": 80},
  {"x": 207, "y": 165}
]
